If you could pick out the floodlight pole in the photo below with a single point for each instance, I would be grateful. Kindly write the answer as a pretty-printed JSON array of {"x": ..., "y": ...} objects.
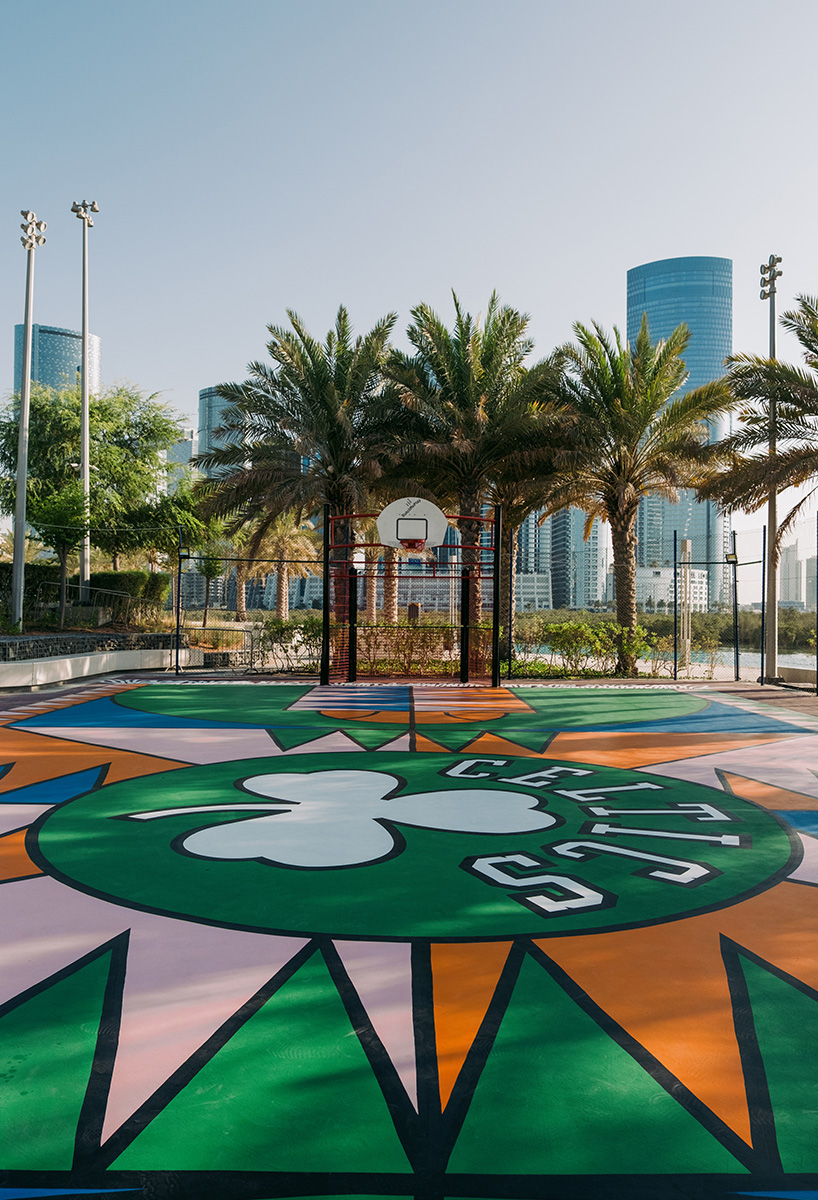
[
  {"x": 33, "y": 231},
  {"x": 83, "y": 212},
  {"x": 769, "y": 274}
]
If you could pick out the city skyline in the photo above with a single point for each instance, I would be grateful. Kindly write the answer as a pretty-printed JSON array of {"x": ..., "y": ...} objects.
[{"x": 186, "y": 272}]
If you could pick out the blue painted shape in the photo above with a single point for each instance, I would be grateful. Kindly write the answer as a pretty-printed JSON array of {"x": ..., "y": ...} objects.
[
  {"x": 804, "y": 822},
  {"x": 54, "y": 791},
  {"x": 106, "y": 714},
  {"x": 25, "y": 1193},
  {"x": 716, "y": 718},
  {"x": 780, "y": 1195}
]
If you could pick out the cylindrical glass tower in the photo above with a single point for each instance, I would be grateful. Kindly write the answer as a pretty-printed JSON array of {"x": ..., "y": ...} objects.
[{"x": 698, "y": 292}]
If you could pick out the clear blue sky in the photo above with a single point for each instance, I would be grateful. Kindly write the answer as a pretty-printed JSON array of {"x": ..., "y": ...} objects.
[{"x": 269, "y": 154}]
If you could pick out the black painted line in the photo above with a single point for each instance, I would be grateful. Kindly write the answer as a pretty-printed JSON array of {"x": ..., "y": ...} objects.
[
  {"x": 92, "y": 1112},
  {"x": 428, "y": 1084},
  {"x": 463, "y": 1091},
  {"x": 762, "y": 1120},
  {"x": 413, "y": 732},
  {"x": 689, "y": 1101},
  {"x": 401, "y": 1109},
  {"x": 119, "y": 1141}
]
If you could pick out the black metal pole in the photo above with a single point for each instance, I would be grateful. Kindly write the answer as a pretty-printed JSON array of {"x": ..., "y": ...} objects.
[
  {"x": 763, "y": 596},
  {"x": 352, "y": 590},
  {"x": 179, "y": 600},
  {"x": 325, "y": 634},
  {"x": 675, "y": 605},
  {"x": 512, "y": 551},
  {"x": 465, "y": 604},
  {"x": 735, "y": 608},
  {"x": 495, "y": 624}
]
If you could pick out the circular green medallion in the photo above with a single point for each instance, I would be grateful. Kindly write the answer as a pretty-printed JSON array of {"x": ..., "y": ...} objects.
[{"x": 401, "y": 846}]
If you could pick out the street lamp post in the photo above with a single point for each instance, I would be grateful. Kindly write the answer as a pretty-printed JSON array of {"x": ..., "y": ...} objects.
[
  {"x": 83, "y": 212},
  {"x": 769, "y": 274},
  {"x": 33, "y": 231}
]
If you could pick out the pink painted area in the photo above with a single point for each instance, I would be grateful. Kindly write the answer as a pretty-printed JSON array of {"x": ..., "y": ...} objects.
[
  {"x": 46, "y": 926},
  {"x": 183, "y": 982},
  {"x": 381, "y": 973},
  {"x": 15, "y": 816},
  {"x": 402, "y": 743},
  {"x": 787, "y": 764},
  {"x": 181, "y": 745},
  {"x": 807, "y": 871}
]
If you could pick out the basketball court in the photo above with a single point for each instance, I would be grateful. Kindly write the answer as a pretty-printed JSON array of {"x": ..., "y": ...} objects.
[{"x": 270, "y": 940}]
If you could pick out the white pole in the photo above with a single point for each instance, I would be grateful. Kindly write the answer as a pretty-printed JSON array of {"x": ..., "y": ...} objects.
[
  {"x": 33, "y": 230},
  {"x": 83, "y": 211}
]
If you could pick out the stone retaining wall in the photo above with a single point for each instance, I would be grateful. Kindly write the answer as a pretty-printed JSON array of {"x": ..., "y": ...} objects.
[{"x": 24, "y": 649}]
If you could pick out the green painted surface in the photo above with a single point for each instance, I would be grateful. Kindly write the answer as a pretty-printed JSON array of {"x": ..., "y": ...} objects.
[
  {"x": 291, "y": 1091},
  {"x": 47, "y": 1047},
  {"x": 423, "y": 889},
  {"x": 786, "y": 1025},
  {"x": 558, "y": 1096}
]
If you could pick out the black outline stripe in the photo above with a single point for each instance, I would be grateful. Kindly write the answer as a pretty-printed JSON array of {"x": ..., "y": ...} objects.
[
  {"x": 92, "y": 1113},
  {"x": 401, "y": 1109},
  {"x": 127, "y": 1133},
  {"x": 745, "y": 1155}
]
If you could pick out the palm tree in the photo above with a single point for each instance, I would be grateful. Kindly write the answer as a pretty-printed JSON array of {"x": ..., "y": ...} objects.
[
  {"x": 305, "y": 430},
  {"x": 637, "y": 433},
  {"x": 473, "y": 407},
  {"x": 752, "y": 472},
  {"x": 289, "y": 547}
]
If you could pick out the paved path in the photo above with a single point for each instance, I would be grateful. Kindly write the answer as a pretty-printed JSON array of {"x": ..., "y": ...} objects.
[{"x": 270, "y": 940}]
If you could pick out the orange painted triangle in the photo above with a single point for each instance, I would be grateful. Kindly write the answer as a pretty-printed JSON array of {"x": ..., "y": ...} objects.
[
  {"x": 492, "y": 743},
  {"x": 667, "y": 987},
  {"x": 38, "y": 757},
  {"x": 617, "y": 749},
  {"x": 14, "y": 860},
  {"x": 428, "y": 746},
  {"x": 766, "y": 795},
  {"x": 781, "y": 926},
  {"x": 464, "y": 978}
]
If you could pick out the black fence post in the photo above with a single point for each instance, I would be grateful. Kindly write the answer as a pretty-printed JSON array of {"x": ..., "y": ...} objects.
[
  {"x": 763, "y": 598},
  {"x": 495, "y": 624},
  {"x": 352, "y": 592},
  {"x": 735, "y": 609},
  {"x": 465, "y": 604},
  {"x": 179, "y": 601},
  {"x": 325, "y": 631},
  {"x": 675, "y": 605}
]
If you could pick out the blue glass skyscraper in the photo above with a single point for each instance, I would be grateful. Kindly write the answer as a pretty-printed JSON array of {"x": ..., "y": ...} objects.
[
  {"x": 698, "y": 292},
  {"x": 56, "y": 357}
]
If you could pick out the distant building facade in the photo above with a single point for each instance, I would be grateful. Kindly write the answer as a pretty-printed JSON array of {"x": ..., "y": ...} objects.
[
  {"x": 179, "y": 457},
  {"x": 699, "y": 292},
  {"x": 211, "y": 415},
  {"x": 56, "y": 358}
]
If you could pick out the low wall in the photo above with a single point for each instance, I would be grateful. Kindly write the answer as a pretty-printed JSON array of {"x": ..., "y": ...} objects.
[
  {"x": 797, "y": 675},
  {"x": 39, "y": 660}
]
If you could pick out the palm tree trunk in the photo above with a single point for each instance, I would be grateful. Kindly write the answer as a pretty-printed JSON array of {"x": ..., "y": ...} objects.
[
  {"x": 623, "y": 538},
  {"x": 470, "y": 531},
  {"x": 207, "y": 603},
  {"x": 241, "y": 591},
  {"x": 390, "y": 585},
  {"x": 283, "y": 592},
  {"x": 371, "y": 587},
  {"x": 508, "y": 581}
]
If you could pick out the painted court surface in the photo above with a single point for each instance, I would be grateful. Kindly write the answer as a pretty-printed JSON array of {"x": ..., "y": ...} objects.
[{"x": 265, "y": 940}]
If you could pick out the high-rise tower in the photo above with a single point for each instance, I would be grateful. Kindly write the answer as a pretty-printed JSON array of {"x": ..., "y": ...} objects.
[
  {"x": 698, "y": 292},
  {"x": 56, "y": 357}
]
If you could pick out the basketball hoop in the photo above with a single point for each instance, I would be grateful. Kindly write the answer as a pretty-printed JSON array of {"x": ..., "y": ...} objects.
[
  {"x": 413, "y": 543},
  {"x": 413, "y": 524}
]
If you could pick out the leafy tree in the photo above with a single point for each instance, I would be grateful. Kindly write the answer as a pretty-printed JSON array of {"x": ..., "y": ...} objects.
[
  {"x": 128, "y": 433},
  {"x": 474, "y": 410},
  {"x": 751, "y": 472},
  {"x": 157, "y": 524},
  {"x": 637, "y": 433},
  {"x": 60, "y": 518}
]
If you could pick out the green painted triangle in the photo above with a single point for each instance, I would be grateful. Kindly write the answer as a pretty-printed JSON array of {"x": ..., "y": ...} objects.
[
  {"x": 786, "y": 1026},
  {"x": 292, "y": 1090},
  {"x": 47, "y": 1046},
  {"x": 558, "y": 1096},
  {"x": 371, "y": 736}
]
